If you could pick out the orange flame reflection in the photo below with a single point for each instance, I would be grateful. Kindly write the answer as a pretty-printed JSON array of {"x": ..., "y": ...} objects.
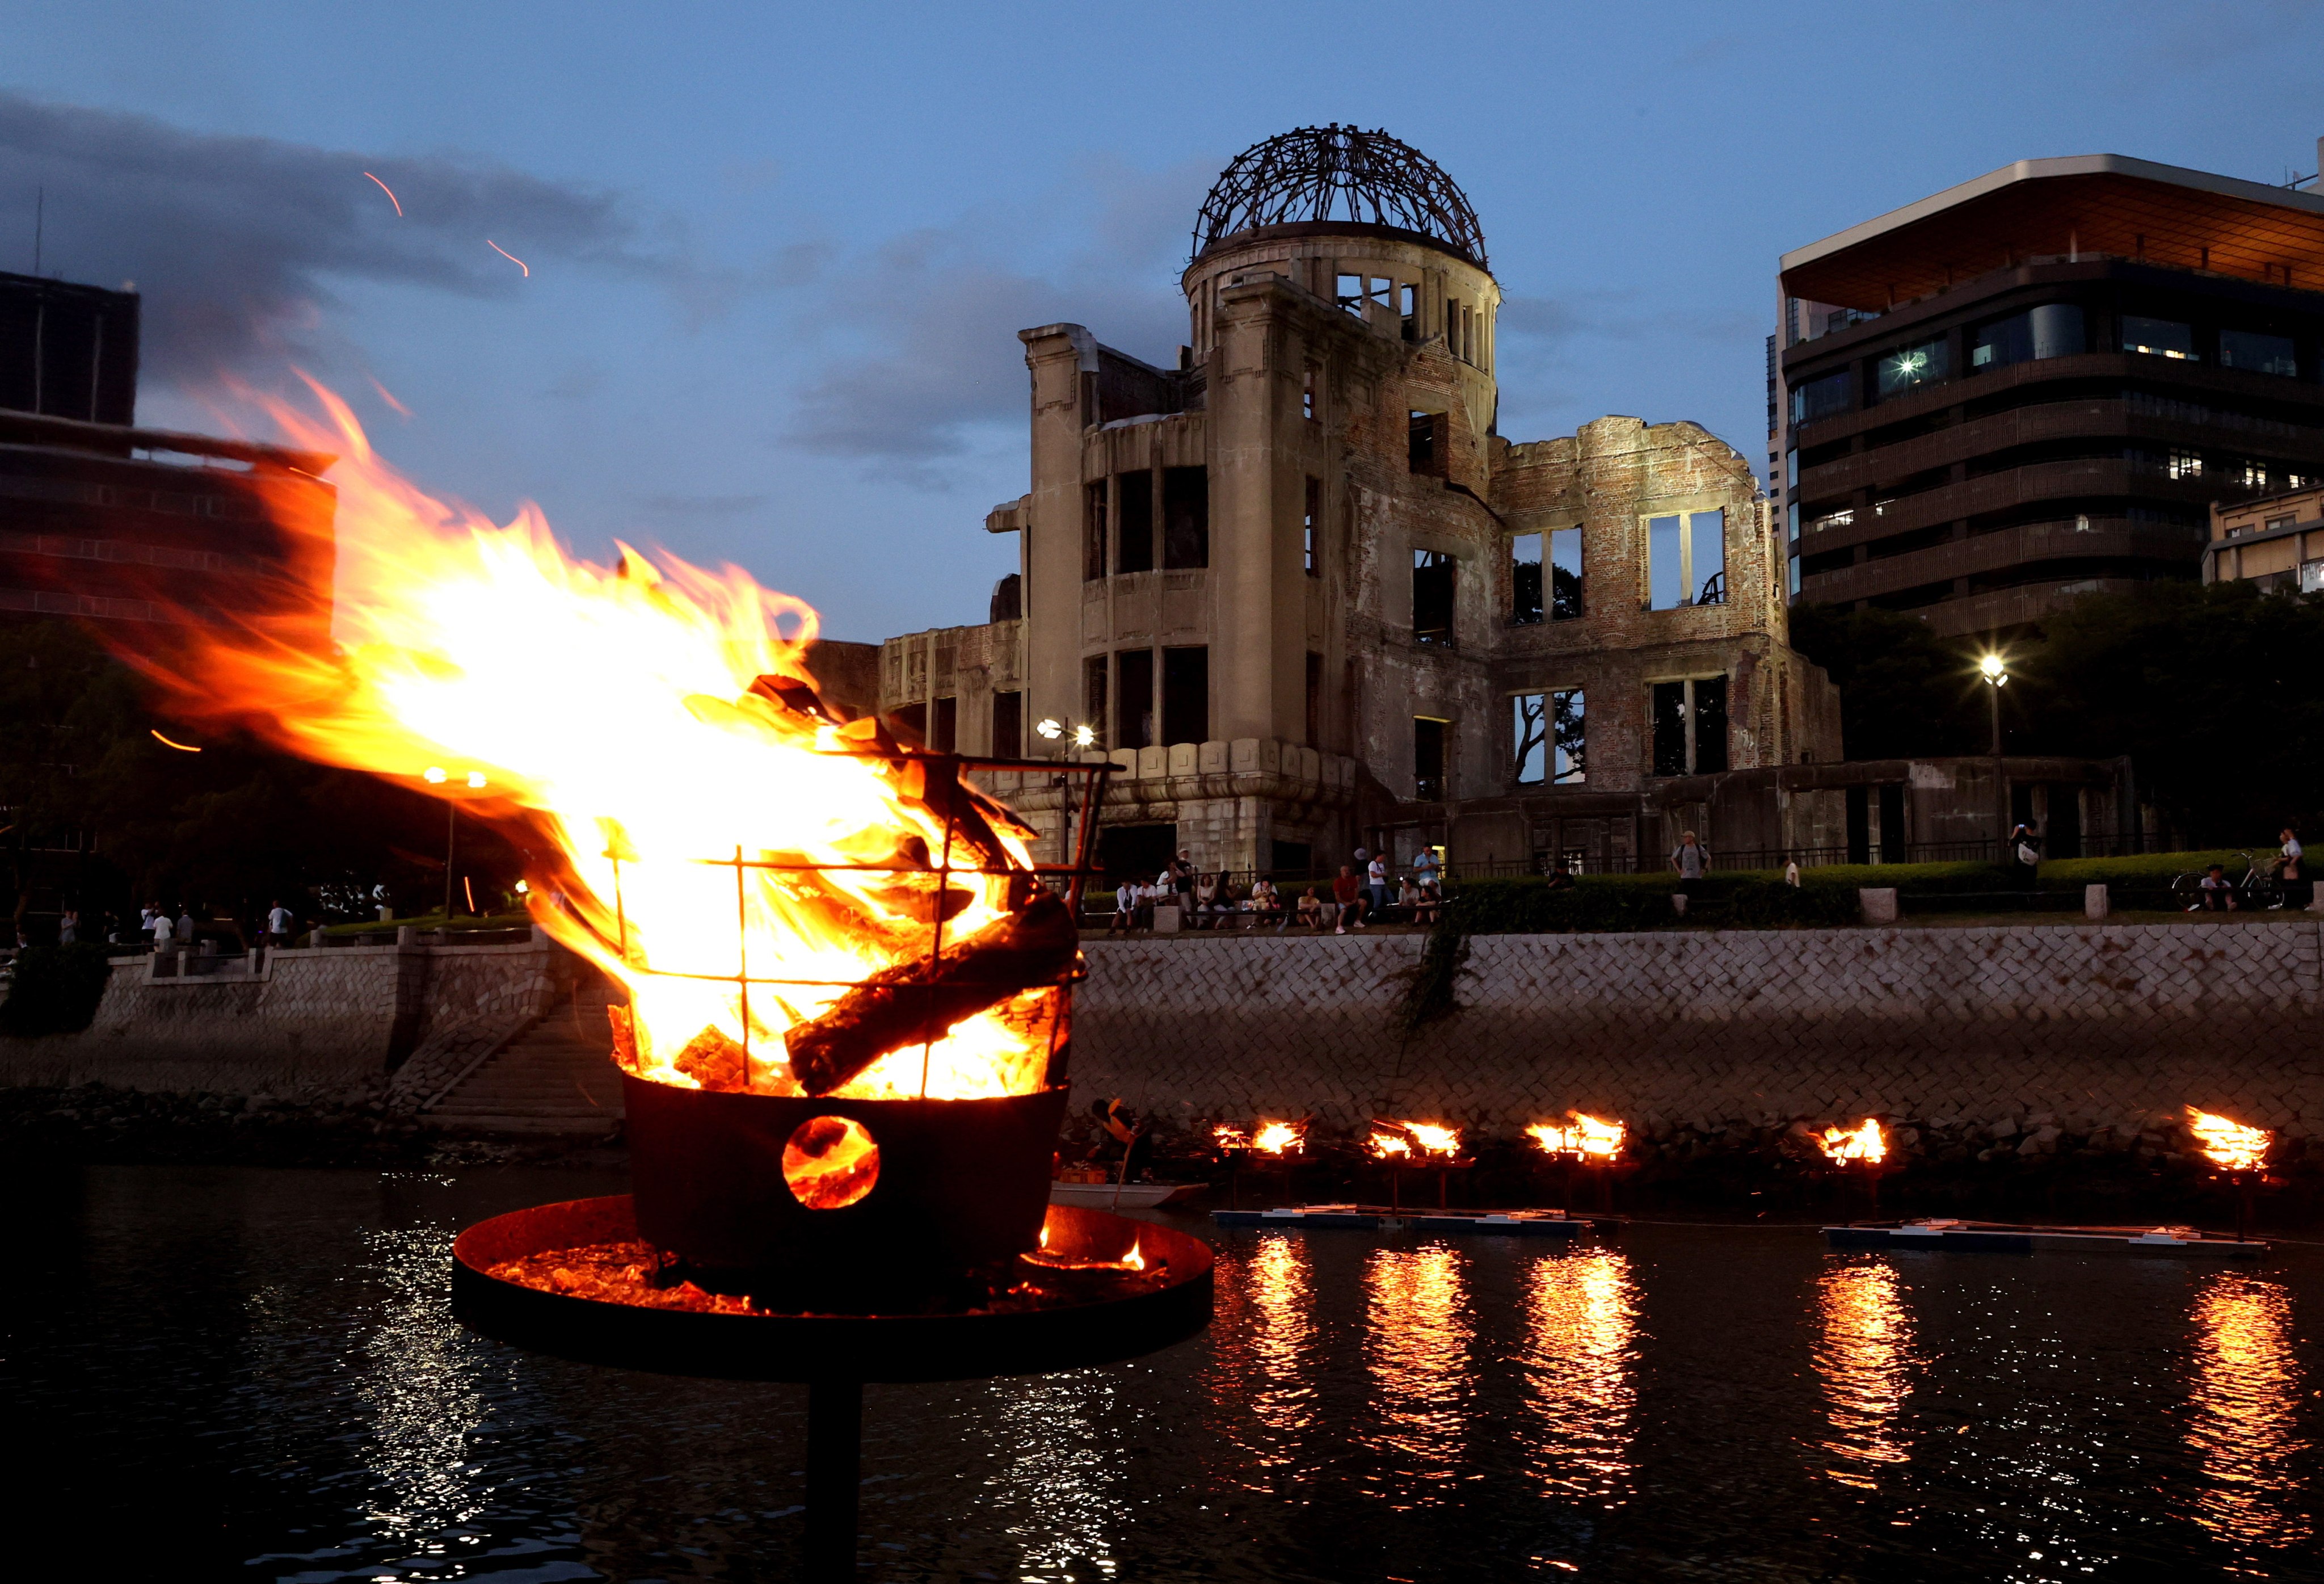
[
  {"x": 1416, "y": 1342},
  {"x": 2229, "y": 1145},
  {"x": 1582, "y": 1312},
  {"x": 2246, "y": 1402},
  {"x": 1263, "y": 1359},
  {"x": 1866, "y": 1356},
  {"x": 1867, "y": 1144},
  {"x": 1413, "y": 1140},
  {"x": 1588, "y": 1139},
  {"x": 608, "y": 716}
]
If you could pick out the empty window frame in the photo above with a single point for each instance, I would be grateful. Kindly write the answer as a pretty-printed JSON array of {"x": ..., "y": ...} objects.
[
  {"x": 1686, "y": 559},
  {"x": 1185, "y": 518},
  {"x": 1187, "y": 694},
  {"x": 1565, "y": 574},
  {"x": 1133, "y": 707},
  {"x": 1008, "y": 725},
  {"x": 1525, "y": 578},
  {"x": 1547, "y": 737},
  {"x": 1311, "y": 527},
  {"x": 1690, "y": 727},
  {"x": 1433, "y": 588},
  {"x": 1424, "y": 444},
  {"x": 1133, "y": 522},
  {"x": 2259, "y": 353},
  {"x": 2159, "y": 338},
  {"x": 1093, "y": 532},
  {"x": 1428, "y": 758},
  {"x": 1095, "y": 694},
  {"x": 945, "y": 735},
  {"x": 1307, "y": 397},
  {"x": 1407, "y": 308}
]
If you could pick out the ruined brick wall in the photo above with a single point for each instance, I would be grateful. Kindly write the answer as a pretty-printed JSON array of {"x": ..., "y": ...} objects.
[{"x": 2096, "y": 1025}]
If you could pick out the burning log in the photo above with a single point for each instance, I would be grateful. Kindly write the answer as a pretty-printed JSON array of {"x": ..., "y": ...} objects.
[{"x": 914, "y": 1001}]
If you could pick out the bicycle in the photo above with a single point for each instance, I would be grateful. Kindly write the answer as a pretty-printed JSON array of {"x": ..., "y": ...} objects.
[{"x": 2260, "y": 888}]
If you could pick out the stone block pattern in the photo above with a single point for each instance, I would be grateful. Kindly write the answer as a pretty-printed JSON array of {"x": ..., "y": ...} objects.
[
  {"x": 313, "y": 1024},
  {"x": 2095, "y": 1024}
]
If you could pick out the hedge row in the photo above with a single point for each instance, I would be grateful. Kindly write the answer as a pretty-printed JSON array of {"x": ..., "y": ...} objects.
[{"x": 1616, "y": 902}]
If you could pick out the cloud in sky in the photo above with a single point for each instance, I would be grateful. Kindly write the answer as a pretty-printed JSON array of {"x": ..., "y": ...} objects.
[
  {"x": 924, "y": 327},
  {"x": 235, "y": 241}
]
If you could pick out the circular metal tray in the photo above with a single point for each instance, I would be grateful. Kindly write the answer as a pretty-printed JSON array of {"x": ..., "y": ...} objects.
[{"x": 1102, "y": 1330}]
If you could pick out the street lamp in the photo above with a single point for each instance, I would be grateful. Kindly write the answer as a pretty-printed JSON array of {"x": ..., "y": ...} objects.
[
  {"x": 1996, "y": 672},
  {"x": 436, "y": 776}
]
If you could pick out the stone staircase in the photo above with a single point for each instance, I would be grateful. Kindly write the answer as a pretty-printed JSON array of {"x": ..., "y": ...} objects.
[{"x": 556, "y": 1077}]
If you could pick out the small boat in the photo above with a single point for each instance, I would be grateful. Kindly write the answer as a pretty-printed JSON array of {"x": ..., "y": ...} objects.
[
  {"x": 1131, "y": 1196},
  {"x": 1943, "y": 1232}
]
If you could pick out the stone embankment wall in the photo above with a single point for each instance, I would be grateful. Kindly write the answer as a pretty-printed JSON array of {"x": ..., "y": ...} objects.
[
  {"x": 2090, "y": 1026},
  {"x": 393, "y": 1022}
]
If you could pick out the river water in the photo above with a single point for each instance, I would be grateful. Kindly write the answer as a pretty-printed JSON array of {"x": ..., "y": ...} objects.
[{"x": 255, "y": 1373}]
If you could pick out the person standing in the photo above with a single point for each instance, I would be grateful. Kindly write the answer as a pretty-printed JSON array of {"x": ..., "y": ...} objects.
[
  {"x": 1792, "y": 873},
  {"x": 2298, "y": 890},
  {"x": 2024, "y": 855},
  {"x": 1426, "y": 870},
  {"x": 161, "y": 931},
  {"x": 278, "y": 924},
  {"x": 184, "y": 935},
  {"x": 69, "y": 927},
  {"x": 1690, "y": 860},
  {"x": 1376, "y": 882}
]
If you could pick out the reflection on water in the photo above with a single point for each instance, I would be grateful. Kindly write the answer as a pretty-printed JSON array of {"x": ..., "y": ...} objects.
[
  {"x": 1060, "y": 1440},
  {"x": 1865, "y": 1356},
  {"x": 2246, "y": 1403},
  {"x": 1582, "y": 1326},
  {"x": 1417, "y": 1347},
  {"x": 1262, "y": 1385},
  {"x": 422, "y": 1392}
]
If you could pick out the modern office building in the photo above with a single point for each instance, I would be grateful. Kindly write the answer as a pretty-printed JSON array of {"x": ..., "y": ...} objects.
[
  {"x": 1305, "y": 597},
  {"x": 2038, "y": 384}
]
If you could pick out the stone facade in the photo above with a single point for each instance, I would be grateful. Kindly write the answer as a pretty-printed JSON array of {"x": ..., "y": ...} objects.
[
  {"x": 397, "y": 1023},
  {"x": 2095, "y": 1025},
  {"x": 1309, "y": 539}
]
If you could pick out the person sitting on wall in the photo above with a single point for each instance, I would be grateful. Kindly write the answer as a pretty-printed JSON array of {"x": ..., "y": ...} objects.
[
  {"x": 1312, "y": 910},
  {"x": 1208, "y": 889},
  {"x": 1125, "y": 909},
  {"x": 1266, "y": 906},
  {"x": 2216, "y": 894},
  {"x": 1122, "y": 1136},
  {"x": 1428, "y": 903},
  {"x": 1348, "y": 894}
]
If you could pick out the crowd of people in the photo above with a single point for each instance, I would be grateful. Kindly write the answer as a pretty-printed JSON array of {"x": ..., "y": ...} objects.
[{"x": 1367, "y": 891}]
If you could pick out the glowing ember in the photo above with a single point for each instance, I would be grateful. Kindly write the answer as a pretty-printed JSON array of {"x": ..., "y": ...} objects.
[
  {"x": 1269, "y": 1138},
  {"x": 1588, "y": 1139},
  {"x": 1413, "y": 1140},
  {"x": 2229, "y": 1145},
  {"x": 1277, "y": 1138},
  {"x": 830, "y": 1163},
  {"x": 648, "y": 733},
  {"x": 1134, "y": 1260},
  {"x": 1867, "y": 1144}
]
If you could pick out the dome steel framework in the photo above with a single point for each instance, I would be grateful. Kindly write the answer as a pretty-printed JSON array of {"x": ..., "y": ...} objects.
[{"x": 1326, "y": 173}]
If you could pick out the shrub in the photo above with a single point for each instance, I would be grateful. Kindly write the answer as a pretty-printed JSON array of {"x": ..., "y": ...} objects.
[{"x": 55, "y": 989}]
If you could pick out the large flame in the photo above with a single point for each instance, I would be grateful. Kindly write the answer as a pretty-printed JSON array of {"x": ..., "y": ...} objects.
[
  {"x": 1391, "y": 1141},
  {"x": 2228, "y": 1144},
  {"x": 1865, "y": 1143},
  {"x": 607, "y": 717},
  {"x": 1588, "y": 1139},
  {"x": 1268, "y": 1138}
]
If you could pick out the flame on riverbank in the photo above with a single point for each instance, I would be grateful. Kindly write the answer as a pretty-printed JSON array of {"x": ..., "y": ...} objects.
[
  {"x": 2229, "y": 1145},
  {"x": 1587, "y": 1139},
  {"x": 1414, "y": 1141},
  {"x": 1865, "y": 1143}
]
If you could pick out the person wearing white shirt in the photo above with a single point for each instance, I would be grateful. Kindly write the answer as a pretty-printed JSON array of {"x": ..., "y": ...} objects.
[
  {"x": 278, "y": 922},
  {"x": 162, "y": 932}
]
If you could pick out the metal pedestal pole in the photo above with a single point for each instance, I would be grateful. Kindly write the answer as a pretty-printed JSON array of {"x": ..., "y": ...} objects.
[{"x": 834, "y": 1446}]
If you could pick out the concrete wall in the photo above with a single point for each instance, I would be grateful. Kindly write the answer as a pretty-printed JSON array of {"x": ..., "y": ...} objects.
[
  {"x": 2093, "y": 1024},
  {"x": 398, "y": 1021}
]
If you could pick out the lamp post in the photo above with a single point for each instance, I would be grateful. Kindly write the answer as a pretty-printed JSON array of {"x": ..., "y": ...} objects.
[
  {"x": 1057, "y": 734},
  {"x": 1994, "y": 670},
  {"x": 436, "y": 776}
]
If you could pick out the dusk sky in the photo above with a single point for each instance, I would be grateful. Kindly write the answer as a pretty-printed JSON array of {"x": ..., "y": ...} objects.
[{"x": 779, "y": 254}]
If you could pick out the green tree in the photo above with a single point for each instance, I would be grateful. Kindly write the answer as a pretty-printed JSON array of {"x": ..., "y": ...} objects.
[{"x": 1903, "y": 691}]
